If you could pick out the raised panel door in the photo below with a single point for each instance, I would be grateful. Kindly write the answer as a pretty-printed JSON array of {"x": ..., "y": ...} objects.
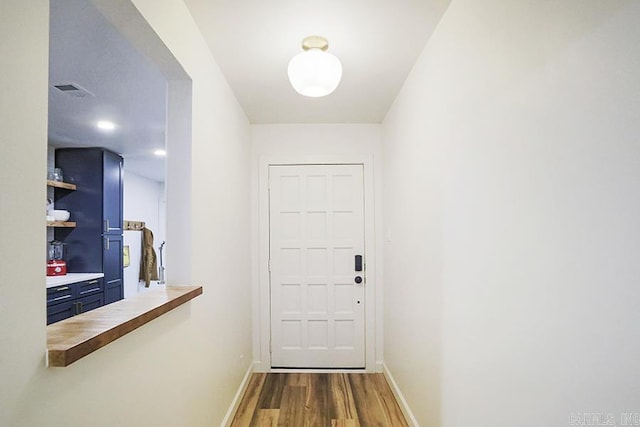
[{"x": 316, "y": 230}]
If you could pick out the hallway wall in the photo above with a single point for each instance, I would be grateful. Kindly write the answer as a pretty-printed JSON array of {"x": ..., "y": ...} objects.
[
  {"x": 183, "y": 368},
  {"x": 512, "y": 167}
]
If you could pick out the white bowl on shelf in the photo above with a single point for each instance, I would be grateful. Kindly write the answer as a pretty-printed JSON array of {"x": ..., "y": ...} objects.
[{"x": 59, "y": 214}]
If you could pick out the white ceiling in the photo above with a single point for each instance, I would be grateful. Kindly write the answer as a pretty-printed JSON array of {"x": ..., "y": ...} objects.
[
  {"x": 377, "y": 42},
  {"x": 129, "y": 90}
]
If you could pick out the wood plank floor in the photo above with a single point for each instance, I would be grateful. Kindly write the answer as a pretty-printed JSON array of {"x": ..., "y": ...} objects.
[{"x": 318, "y": 400}]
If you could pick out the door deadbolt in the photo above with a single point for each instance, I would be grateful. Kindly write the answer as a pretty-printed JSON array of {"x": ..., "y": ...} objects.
[
  {"x": 358, "y": 262},
  {"x": 358, "y": 279}
]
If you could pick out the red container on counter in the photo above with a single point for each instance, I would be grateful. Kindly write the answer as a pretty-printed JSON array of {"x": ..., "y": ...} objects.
[{"x": 56, "y": 267}]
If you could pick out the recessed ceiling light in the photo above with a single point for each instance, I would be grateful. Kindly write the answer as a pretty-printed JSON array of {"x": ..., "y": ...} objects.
[
  {"x": 160, "y": 153},
  {"x": 106, "y": 125}
]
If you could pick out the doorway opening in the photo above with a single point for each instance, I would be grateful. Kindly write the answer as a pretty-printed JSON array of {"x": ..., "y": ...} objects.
[
  {"x": 316, "y": 290},
  {"x": 133, "y": 99}
]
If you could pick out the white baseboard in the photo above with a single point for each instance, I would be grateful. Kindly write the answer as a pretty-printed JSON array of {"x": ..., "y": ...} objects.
[
  {"x": 228, "y": 418},
  {"x": 404, "y": 406},
  {"x": 258, "y": 366}
]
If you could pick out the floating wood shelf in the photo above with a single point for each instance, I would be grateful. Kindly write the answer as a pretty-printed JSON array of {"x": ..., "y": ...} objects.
[
  {"x": 59, "y": 184},
  {"x": 73, "y": 338},
  {"x": 67, "y": 224}
]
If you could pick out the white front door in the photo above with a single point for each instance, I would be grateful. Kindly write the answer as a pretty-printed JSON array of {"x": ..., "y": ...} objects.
[{"x": 316, "y": 231}]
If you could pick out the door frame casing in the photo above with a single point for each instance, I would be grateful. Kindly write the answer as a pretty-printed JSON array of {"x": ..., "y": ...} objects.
[{"x": 261, "y": 289}]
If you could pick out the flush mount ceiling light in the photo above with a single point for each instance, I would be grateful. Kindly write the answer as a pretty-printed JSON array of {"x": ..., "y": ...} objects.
[
  {"x": 160, "y": 152},
  {"x": 314, "y": 72}
]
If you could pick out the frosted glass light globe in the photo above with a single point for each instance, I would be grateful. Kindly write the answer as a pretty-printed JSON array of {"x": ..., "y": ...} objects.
[{"x": 314, "y": 72}]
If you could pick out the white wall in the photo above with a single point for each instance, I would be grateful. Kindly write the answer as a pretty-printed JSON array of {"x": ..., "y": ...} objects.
[
  {"x": 304, "y": 143},
  {"x": 144, "y": 200},
  {"x": 23, "y": 156},
  {"x": 512, "y": 169},
  {"x": 180, "y": 369}
]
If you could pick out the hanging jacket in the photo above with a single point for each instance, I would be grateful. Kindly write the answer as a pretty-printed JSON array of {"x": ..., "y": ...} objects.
[{"x": 148, "y": 261}]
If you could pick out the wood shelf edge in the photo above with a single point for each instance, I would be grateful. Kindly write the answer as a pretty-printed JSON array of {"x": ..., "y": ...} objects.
[
  {"x": 60, "y": 184},
  {"x": 68, "y": 224},
  {"x": 75, "y": 348}
]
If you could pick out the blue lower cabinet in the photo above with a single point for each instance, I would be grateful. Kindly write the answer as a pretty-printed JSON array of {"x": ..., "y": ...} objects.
[
  {"x": 58, "y": 312},
  {"x": 69, "y": 300},
  {"x": 90, "y": 287},
  {"x": 60, "y": 294},
  {"x": 113, "y": 294},
  {"x": 91, "y": 302}
]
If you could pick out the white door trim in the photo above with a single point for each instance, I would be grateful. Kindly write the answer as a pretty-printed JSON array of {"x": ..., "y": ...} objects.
[{"x": 261, "y": 291}]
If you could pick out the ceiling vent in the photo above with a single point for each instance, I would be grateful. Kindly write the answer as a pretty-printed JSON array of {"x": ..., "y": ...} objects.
[{"x": 73, "y": 89}]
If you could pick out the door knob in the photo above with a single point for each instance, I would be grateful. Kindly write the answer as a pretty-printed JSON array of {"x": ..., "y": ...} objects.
[{"x": 358, "y": 279}]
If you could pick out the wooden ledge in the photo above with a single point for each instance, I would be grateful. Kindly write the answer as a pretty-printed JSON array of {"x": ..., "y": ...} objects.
[
  {"x": 60, "y": 184},
  {"x": 78, "y": 336}
]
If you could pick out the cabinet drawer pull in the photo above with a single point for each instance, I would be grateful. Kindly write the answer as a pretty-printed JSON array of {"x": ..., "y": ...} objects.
[
  {"x": 92, "y": 282},
  {"x": 64, "y": 288}
]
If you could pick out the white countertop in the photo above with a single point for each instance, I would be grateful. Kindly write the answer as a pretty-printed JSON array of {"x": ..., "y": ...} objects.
[{"x": 71, "y": 278}]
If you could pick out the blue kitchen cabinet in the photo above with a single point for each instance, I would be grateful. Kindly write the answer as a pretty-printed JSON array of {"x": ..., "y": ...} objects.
[
  {"x": 60, "y": 303},
  {"x": 112, "y": 269},
  {"x": 95, "y": 244},
  {"x": 90, "y": 302},
  {"x": 61, "y": 311},
  {"x": 65, "y": 301}
]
